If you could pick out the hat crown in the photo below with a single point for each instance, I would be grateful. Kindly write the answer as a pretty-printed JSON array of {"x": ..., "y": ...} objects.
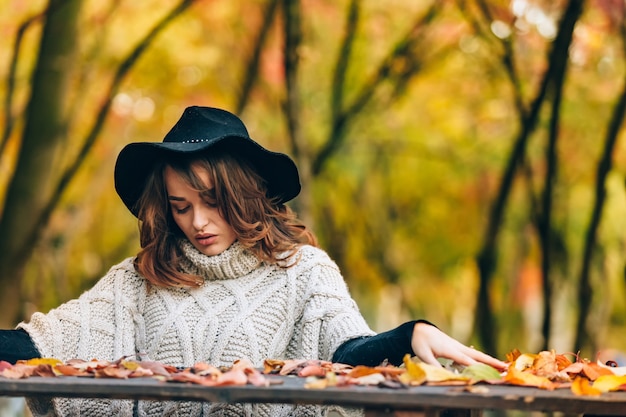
[
  {"x": 200, "y": 130},
  {"x": 201, "y": 124}
]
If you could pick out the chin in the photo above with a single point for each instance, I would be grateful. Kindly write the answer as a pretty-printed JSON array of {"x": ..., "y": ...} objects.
[{"x": 211, "y": 251}]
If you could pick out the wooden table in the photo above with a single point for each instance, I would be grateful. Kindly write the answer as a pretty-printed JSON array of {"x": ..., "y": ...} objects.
[{"x": 421, "y": 400}]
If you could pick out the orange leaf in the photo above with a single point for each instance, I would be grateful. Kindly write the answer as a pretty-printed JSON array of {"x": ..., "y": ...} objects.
[
  {"x": 68, "y": 370},
  {"x": 575, "y": 368},
  {"x": 113, "y": 372},
  {"x": 545, "y": 364},
  {"x": 562, "y": 361},
  {"x": 361, "y": 370},
  {"x": 593, "y": 371},
  {"x": 581, "y": 386},
  {"x": 515, "y": 377},
  {"x": 513, "y": 355},
  {"x": 272, "y": 365}
]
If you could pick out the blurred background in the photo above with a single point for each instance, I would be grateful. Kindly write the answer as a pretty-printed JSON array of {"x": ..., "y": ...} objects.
[{"x": 463, "y": 161}]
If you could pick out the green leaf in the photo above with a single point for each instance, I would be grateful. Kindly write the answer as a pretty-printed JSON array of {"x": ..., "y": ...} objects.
[{"x": 481, "y": 372}]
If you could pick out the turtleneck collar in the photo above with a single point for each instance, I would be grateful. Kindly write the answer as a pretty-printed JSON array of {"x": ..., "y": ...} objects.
[{"x": 234, "y": 262}]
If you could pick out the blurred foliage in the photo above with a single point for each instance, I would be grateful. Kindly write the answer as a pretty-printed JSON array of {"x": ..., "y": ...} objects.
[{"x": 402, "y": 203}]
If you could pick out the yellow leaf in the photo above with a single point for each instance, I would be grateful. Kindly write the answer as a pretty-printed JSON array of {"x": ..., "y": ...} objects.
[
  {"x": 42, "y": 361},
  {"x": 130, "y": 365},
  {"x": 525, "y": 361},
  {"x": 414, "y": 374},
  {"x": 439, "y": 374},
  {"x": 606, "y": 383}
]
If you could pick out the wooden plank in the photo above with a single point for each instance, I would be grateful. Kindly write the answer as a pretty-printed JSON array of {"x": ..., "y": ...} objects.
[
  {"x": 392, "y": 413},
  {"x": 422, "y": 413},
  {"x": 291, "y": 390}
]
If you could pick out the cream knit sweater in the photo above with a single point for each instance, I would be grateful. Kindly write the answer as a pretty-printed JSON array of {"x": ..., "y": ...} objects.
[{"x": 244, "y": 309}]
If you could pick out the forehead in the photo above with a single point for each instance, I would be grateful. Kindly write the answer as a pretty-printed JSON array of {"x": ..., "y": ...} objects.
[{"x": 195, "y": 178}]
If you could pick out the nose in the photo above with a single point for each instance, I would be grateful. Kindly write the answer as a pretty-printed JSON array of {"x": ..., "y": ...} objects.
[{"x": 201, "y": 218}]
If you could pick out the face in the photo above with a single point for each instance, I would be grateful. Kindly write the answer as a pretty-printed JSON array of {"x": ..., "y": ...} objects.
[{"x": 198, "y": 218}]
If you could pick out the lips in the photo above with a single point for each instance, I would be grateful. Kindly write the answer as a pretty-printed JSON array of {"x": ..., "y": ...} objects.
[{"x": 206, "y": 239}]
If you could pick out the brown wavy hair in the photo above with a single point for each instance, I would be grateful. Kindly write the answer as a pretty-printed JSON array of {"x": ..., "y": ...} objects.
[{"x": 264, "y": 226}]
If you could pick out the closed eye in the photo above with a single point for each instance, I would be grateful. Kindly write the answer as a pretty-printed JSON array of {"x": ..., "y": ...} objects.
[
  {"x": 181, "y": 210},
  {"x": 175, "y": 204}
]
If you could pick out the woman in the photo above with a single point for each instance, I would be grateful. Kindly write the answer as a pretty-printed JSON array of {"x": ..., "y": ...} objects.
[{"x": 226, "y": 271}]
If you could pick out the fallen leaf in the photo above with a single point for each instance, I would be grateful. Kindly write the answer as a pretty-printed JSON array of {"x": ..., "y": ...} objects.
[
  {"x": 524, "y": 361},
  {"x": 606, "y": 383},
  {"x": 371, "y": 379},
  {"x": 41, "y": 361},
  {"x": 582, "y": 386},
  {"x": 5, "y": 365},
  {"x": 516, "y": 377},
  {"x": 481, "y": 372},
  {"x": 414, "y": 374}
]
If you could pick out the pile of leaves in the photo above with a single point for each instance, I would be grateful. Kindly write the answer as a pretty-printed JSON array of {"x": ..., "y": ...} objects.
[
  {"x": 242, "y": 372},
  {"x": 546, "y": 370},
  {"x": 549, "y": 370}
]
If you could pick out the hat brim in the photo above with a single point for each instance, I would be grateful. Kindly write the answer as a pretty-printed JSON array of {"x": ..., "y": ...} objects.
[{"x": 136, "y": 161}]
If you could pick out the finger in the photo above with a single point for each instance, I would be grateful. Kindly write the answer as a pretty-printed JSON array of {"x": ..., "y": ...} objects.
[
  {"x": 484, "y": 358},
  {"x": 462, "y": 358},
  {"x": 425, "y": 354}
]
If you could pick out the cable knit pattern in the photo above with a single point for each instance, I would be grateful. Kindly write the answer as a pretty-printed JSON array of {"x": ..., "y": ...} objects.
[{"x": 244, "y": 309}]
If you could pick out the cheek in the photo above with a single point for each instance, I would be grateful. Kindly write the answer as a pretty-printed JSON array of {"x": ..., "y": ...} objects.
[{"x": 227, "y": 228}]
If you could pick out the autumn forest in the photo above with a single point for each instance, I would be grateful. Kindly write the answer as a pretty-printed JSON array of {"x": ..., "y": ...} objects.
[{"x": 462, "y": 161}]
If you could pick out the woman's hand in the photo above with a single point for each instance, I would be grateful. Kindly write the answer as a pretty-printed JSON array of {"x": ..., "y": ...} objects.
[{"x": 430, "y": 343}]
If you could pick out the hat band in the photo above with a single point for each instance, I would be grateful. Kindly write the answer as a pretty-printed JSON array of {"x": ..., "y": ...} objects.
[{"x": 195, "y": 140}]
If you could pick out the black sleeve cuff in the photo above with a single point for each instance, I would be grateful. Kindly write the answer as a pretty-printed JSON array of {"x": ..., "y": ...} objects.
[
  {"x": 391, "y": 345},
  {"x": 16, "y": 345}
]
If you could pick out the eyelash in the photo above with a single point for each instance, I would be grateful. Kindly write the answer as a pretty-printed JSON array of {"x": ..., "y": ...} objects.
[{"x": 183, "y": 210}]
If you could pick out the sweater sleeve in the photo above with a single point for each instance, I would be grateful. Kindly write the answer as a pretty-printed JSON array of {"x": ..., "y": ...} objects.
[
  {"x": 390, "y": 346},
  {"x": 16, "y": 345},
  {"x": 99, "y": 324},
  {"x": 329, "y": 315}
]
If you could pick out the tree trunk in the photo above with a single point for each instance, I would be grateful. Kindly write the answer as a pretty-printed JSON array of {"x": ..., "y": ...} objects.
[
  {"x": 583, "y": 336},
  {"x": 484, "y": 323},
  {"x": 42, "y": 143}
]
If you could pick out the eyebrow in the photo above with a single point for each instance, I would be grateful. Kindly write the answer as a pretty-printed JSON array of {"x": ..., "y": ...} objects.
[{"x": 174, "y": 198}]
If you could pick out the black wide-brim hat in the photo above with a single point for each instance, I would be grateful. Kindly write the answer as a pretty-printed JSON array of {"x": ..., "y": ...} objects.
[{"x": 199, "y": 131}]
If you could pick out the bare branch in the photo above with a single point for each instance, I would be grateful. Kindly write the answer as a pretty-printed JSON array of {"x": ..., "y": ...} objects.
[
  {"x": 507, "y": 55},
  {"x": 123, "y": 69},
  {"x": 252, "y": 68},
  {"x": 343, "y": 58},
  {"x": 385, "y": 71}
]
